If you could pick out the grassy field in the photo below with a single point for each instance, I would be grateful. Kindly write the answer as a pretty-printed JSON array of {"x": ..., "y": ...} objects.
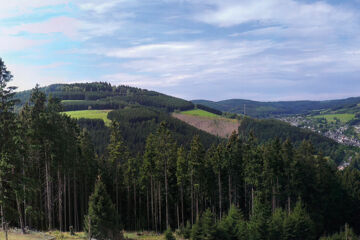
[
  {"x": 345, "y": 117},
  {"x": 78, "y": 236},
  {"x": 72, "y": 101},
  {"x": 91, "y": 114},
  {"x": 144, "y": 236},
  {"x": 199, "y": 112},
  {"x": 43, "y": 236}
]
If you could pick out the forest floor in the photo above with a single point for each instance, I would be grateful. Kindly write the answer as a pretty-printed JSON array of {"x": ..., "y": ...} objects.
[{"x": 15, "y": 235}]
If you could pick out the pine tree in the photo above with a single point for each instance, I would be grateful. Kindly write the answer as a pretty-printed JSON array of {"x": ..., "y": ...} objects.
[{"x": 7, "y": 145}]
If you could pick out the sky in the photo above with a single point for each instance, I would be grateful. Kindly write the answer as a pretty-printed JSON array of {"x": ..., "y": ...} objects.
[{"x": 267, "y": 50}]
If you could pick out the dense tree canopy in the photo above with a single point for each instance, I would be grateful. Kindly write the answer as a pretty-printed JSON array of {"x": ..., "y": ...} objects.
[{"x": 239, "y": 188}]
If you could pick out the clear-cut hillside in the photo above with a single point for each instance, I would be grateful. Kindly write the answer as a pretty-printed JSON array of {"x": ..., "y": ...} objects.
[{"x": 218, "y": 126}]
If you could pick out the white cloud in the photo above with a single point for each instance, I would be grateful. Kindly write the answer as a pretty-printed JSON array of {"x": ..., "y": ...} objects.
[
  {"x": 65, "y": 25},
  {"x": 15, "y": 43},
  {"x": 16, "y": 8},
  {"x": 101, "y": 7},
  {"x": 26, "y": 76},
  {"x": 226, "y": 13}
]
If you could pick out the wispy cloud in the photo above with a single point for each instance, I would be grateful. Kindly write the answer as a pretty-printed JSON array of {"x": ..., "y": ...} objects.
[{"x": 265, "y": 49}]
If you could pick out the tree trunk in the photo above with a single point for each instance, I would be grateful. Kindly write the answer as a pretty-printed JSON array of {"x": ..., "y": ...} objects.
[
  {"x": 192, "y": 199},
  {"x": 220, "y": 203},
  {"x": 48, "y": 193},
  {"x": 159, "y": 198},
  {"x": 273, "y": 199},
  {"x": 177, "y": 214},
  {"x": 76, "y": 211},
  {"x": 21, "y": 221},
  {"x": 60, "y": 204},
  {"x": 252, "y": 200},
  {"x": 197, "y": 204},
  {"x": 155, "y": 207},
  {"x": 128, "y": 209},
  {"x": 166, "y": 196},
  {"x": 147, "y": 209},
  {"x": 2, "y": 218},
  {"x": 289, "y": 204},
  {"x": 65, "y": 205},
  {"x": 182, "y": 205},
  {"x": 153, "y": 215},
  {"x": 230, "y": 196},
  {"x": 135, "y": 206},
  {"x": 70, "y": 210},
  {"x": 117, "y": 189}
]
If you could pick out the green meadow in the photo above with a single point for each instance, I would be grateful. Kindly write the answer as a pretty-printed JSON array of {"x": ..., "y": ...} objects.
[
  {"x": 199, "y": 112},
  {"x": 344, "y": 117},
  {"x": 90, "y": 114}
]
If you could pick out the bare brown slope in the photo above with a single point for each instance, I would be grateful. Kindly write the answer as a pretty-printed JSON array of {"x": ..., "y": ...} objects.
[{"x": 221, "y": 127}]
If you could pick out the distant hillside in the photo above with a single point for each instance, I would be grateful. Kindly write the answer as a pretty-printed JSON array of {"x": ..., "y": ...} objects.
[
  {"x": 139, "y": 111},
  {"x": 275, "y": 109},
  {"x": 101, "y": 95},
  {"x": 268, "y": 129}
]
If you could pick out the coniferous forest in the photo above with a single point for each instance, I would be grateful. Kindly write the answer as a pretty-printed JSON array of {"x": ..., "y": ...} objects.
[{"x": 202, "y": 187}]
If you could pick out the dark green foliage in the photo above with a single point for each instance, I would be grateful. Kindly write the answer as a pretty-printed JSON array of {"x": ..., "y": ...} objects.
[
  {"x": 187, "y": 230},
  {"x": 98, "y": 132},
  {"x": 205, "y": 228},
  {"x": 258, "y": 223},
  {"x": 276, "y": 224},
  {"x": 101, "y": 219},
  {"x": 196, "y": 232},
  {"x": 133, "y": 115},
  {"x": 138, "y": 123},
  {"x": 207, "y": 225},
  {"x": 346, "y": 234},
  {"x": 265, "y": 130},
  {"x": 298, "y": 225},
  {"x": 169, "y": 234},
  {"x": 101, "y": 95},
  {"x": 232, "y": 226},
  {"x": 49, "y": 166}
]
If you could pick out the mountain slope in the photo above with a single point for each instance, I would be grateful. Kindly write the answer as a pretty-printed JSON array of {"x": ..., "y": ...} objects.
[
  {"x": 139, "y": 111},
  {"x": 274, "y": 109},
  {"x": 100, "y": 95},
  {"x": 268, "y": 129}
]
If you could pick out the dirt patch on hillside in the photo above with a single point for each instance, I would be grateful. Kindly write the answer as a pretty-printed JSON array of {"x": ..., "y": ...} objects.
[{"x": 221, "y": 127}]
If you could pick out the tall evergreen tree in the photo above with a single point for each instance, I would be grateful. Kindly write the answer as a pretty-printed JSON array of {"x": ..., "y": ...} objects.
[{"x": 101, "y": 219}]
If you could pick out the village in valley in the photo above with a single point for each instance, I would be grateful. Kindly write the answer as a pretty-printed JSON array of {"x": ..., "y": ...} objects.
[{"x": 341, "y": 132}]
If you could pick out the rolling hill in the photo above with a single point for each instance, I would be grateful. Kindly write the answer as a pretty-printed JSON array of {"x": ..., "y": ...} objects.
[
  {"x": 140, "y": 111},
  {"x": 276, "y": 109}
]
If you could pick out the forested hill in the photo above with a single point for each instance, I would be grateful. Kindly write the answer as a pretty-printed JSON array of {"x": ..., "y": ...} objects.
[
  {"x": 138, "y": 110},
  {"x": 272, "y": 109},
  {"x": 267, "y": 129},
  {"x": 102, "y": 95}
]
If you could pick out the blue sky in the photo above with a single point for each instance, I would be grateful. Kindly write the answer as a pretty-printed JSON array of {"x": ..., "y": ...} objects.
[{"x": 211, "y": 49}]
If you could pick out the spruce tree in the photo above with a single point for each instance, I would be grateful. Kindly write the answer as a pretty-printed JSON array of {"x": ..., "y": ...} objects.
[
  {"x": 100, "y": 222},
  {"x": 298, "y": 225}
]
